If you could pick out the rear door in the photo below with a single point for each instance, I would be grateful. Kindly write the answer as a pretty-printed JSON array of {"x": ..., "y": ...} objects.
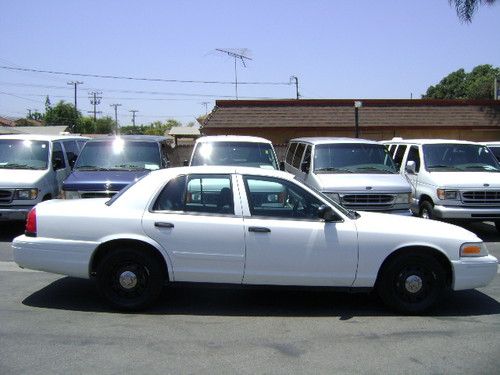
[{"x": 198, "y": 221}]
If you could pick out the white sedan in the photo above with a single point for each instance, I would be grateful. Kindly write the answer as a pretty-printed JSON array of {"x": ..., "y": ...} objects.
[{"x": 246, "y": 226}]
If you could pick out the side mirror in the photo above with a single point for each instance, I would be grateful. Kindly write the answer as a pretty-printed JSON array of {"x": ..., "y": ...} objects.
[
  {"x": 185, "y": 163},
  {"x": 326, "y": 213},
  {"x": 57, "y": 163},
  {"x": 282, "y": 165},
  {"x": 411, "y": 167},
  {"x": 305, "y": 166}
]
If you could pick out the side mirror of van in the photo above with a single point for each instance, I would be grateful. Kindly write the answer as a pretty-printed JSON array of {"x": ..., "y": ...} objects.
[
  {"x": 305, "y": 166},
  {"x": 326, "y": 213},
  {"x": 185, "y": 163},
  {"x": 411, "y": 167},
  {"x": 282, "y": 165}
]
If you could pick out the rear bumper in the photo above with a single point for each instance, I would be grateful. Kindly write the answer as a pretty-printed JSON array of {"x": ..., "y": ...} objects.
[
  {"x": 466, "y": 213},
  {"x": 64, "y": 257},
  {"x": 474, "y": 272},
  {"x": 14, "y": 213}
]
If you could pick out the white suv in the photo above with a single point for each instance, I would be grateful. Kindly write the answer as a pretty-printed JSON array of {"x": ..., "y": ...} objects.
[
  {"x": 32, "y": 169},
  {"x": 450, "y": 179}
]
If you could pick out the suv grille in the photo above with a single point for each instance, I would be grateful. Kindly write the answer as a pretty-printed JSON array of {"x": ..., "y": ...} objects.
[
  {"x": 368, "y": 201},
  {"x": 481, "y": 197},
  {"x": 5, "y": 196}
]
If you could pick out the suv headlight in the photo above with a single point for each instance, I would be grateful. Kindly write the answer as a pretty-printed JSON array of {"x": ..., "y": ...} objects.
[
  {"x": 447, "y": 194},
  {"x": 26, "y": 194},
  {"x": 473, "y": 249},
  {"x": 404, "y": 198},
  {"x": 70, "y": 194}
]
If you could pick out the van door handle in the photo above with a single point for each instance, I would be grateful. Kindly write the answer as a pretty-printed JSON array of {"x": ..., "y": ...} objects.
[
  {"x": 259, "y": 229},
  {"x": 159, "y": 224}
]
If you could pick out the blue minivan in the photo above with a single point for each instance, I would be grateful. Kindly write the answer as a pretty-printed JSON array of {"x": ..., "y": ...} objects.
[{"x": 106, "y": 165}]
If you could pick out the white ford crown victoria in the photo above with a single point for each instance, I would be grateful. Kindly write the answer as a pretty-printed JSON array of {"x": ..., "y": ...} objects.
[{"x": 246, "y": 226}]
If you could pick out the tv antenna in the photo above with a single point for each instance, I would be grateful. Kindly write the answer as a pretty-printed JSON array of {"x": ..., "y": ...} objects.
[{"x": 237, "y": 54}]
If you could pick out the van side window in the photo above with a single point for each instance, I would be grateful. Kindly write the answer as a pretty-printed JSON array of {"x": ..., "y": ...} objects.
[
  {"x": 307, "y": 156},
  {"x": 72, "y": 151},
  {"x": 414, "y": 155},
  {"x": 398, "y": 157},
  {"x": 290, "y": 152},
  {"x": 390, "y": 148},
  {"x": 58, "y": 156},
  {"x": 298, "y": 155}
]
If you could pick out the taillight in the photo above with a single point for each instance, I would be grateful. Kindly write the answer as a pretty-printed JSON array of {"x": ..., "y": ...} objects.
[{"x": 31, "y": 223}]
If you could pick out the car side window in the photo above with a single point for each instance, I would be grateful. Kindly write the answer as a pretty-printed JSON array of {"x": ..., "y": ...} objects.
[
  {"x": 291, "y": 150},
  {"x": 72, "y": 152},
  {"x": 58, "y": 156},
  {"x": 272, "y": 197},
  {"x": 398, "y": 156},
  {"x": 298, "y": 155},
  {"x": 306, "y": 162},
  {"x": 197, "y": 193},
  {"x": 414, "y": 155}
]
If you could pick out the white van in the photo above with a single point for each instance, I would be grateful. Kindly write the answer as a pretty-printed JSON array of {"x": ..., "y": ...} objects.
[
  {"x": 357, "y": 173},
  {"x": 32, "y": 169},
  {"x": 450, "y": 179},
  {"x": 234, "y": 150}
]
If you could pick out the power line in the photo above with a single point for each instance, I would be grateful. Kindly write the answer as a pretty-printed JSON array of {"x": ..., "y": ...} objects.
[{"x": 137, "y": 78}]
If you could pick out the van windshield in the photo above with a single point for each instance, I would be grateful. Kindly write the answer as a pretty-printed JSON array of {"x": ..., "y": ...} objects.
[
  {"x": 250, "y": 154},
  {"x": 352, "y": 158},
  {"x": 23, "y": 154},
  {"x": 119, "y": 154},
  {"x": 459, "y": 157}
]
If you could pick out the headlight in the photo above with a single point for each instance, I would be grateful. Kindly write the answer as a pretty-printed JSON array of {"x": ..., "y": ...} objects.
[
  {"x": 447, "y": 194},
  {"x": 70, "y": 194},
  {"x": 26, "y": 194},
  {"x": 474, "y": 249},
  {"x": 333, "y": 196},
  {"x": 403, "y": 198}
]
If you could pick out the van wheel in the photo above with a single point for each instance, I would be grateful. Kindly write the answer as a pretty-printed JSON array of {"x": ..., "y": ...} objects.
[
  {"x": 497, "y": 225},
  {"x": 130, "y": 278},
  {"x": 411, "y": 283},
  {"x": 426, "y": 210}
]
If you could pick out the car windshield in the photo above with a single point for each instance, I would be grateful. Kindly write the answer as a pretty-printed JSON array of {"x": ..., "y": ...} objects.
[
  {"x": 23, "y": 154},
  {"x": 496, "y": 151},
  {"x": 119, "y": 154},
  {"x": 353, "y": 158},
  {"x": 250, "y": 154},
  {"x": 459, "y": 157}
]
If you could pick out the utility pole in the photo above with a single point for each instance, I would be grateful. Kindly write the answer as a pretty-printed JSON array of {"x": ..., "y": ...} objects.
[
  {"x": 206, "y": 107},
  {"x": 116, "y": 116},
  {"x": 133, "y": 115},
  {"x": 296, "y": 85},
  {"x": 236, "y": 56},
  {"x": 75, "y": 83},
  {"x": 95, "y": 99},
  {"x": 357, "y": 106},
  {"x": 29, "y": 112}
]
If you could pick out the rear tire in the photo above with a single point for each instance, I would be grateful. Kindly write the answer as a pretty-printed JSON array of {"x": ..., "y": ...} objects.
[
  {"x": 426, "y": 210},
  {"x": 130, "y": 278},
  {"x": 411, "y": 283}
]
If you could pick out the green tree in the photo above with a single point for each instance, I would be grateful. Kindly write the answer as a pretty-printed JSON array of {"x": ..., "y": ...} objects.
[
  {"x": 105, "y": 125},
  {"x": 466, "y": 8},
  {"x": 477, "y": 84},
  {"x": 62, "y": 114}
]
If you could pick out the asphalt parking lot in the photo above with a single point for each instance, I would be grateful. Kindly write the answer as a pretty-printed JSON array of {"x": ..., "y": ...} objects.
[{"x": 56, "y": 324}]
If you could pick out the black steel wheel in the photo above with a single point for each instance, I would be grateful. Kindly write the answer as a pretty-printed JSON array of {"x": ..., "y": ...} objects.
[
  {"x": 130, "y": 279},
  {"x": 411, "y": 283},
  {"x": 426, "y": 210}
]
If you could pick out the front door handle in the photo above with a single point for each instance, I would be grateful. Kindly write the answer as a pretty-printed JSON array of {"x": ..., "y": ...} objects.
[
  {"x": 259, "y": 229},
  {"x": 159, "y": 224}
]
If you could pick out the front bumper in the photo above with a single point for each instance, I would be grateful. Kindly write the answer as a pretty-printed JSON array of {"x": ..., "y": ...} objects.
[
  {"x": 466, "y": 213},
  {"x": 14, "y": 213},
  {"x": 472, "y": 273}
]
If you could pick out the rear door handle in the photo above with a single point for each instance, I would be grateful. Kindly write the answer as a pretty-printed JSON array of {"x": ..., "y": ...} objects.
[
  {"x": 259, "y": 229},
  {"x": 159, "y": 224}
]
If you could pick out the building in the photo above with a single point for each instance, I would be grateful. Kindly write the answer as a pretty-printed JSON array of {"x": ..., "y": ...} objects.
[{"x": 281, "y": 120}]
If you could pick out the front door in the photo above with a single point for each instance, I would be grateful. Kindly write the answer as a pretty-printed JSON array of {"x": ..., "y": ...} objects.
[{"x": 286, "y": 242}]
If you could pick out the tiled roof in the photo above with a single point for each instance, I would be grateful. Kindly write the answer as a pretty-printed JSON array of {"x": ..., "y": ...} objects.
[{"x": 340, "y": 113}]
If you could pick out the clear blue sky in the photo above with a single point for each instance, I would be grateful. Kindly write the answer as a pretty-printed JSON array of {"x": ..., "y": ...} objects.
[{"x": 337, "y": 49}]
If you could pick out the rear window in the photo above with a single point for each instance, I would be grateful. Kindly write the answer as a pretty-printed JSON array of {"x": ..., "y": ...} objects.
[{"x": 249, "y": 154}]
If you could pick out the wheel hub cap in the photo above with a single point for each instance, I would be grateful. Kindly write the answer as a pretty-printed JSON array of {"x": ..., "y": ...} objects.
[
  {"x": 128, "y": 280},
  {"x": 413, "y": 284}
]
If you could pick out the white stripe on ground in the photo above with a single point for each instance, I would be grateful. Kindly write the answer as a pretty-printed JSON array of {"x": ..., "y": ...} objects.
[{"x": 13, "y": 267}]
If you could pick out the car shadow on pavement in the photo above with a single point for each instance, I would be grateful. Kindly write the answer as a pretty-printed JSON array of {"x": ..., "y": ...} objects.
[
  {"x": 81, "y": 295},
  {"x": 10, "y": 230}
]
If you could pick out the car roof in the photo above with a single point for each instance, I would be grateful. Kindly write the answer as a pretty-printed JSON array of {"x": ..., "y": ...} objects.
[
  {"x": 132, "y": 138},
  {"x": 40, "y": 137},
  {"x": 330, "y": 140},
  {"x": 220, "y": 169},
  {"x": 428, "y": 141},
  {"x": 232, "y": 138}
]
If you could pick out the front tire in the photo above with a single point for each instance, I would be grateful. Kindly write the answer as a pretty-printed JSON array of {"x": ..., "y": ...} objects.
[
  {"x": 130, "y": 279},
  {"x": 411, "y": 283},
  {"x": 426, "y": 210}
]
